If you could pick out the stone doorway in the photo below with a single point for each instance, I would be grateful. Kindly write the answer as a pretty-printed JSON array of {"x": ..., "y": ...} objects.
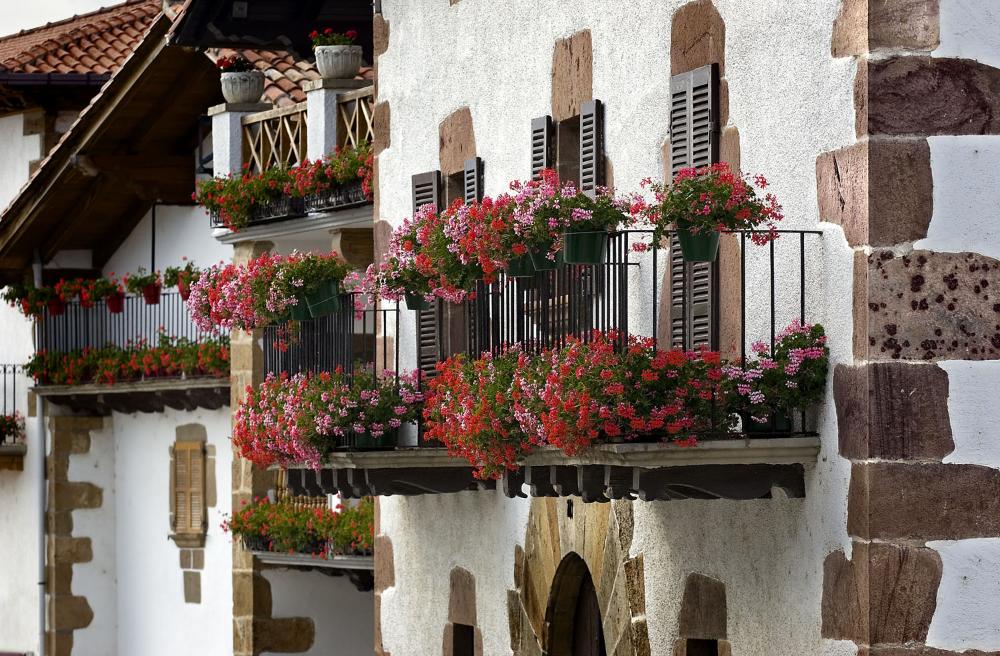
[{"x": 574, "y": 614}]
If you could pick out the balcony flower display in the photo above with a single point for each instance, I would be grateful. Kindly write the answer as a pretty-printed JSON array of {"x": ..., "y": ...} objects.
[
  {"x": 300, "y": 418},
  {"x": 772, "y": 386},
  {"x": 169, "y": 358},
  {"x": 556, "y": 222},
  {"x": 332, "y": 181},
  {"x": 33, "y": 301},
  {"x": 702, "y": 202},
  {"x": 337, "y": 55},
  {"x": 236, "y": 198},
  {"x": 11, "y": 428},
  {"x": 182, "y": 278},
  {"x": 268, "y": 289},
  {"x": 148, "y": 284},
  {"x": 285, "y": 527}
]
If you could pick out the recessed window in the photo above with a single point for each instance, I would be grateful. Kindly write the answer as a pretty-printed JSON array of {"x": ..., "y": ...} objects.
[
  {"x": 568, "y": 149},
  {"x": 463, "y": 640},
  {"x": 702, "y": 648},
  {"x": 454, "y": 188}
]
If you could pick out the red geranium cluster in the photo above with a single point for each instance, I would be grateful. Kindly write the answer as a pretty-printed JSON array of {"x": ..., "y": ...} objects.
[
  {"x": 330, "y": 38},
  {"x": 234, "y": 64},
  {"x": 169, "y": 357},
  {"x": 12, "y": 428},
  {"x": 291, "y": 527},
  {"x": 495, "y": 409},
  {"x": 344, "y": 166}
]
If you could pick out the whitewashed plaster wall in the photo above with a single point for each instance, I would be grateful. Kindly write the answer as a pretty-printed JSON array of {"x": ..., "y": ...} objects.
[
  {"x": 181, "y": 231},
  {"x": 19, "y": 149},
  {"x": 344, "y": 618},
  {"x": 790, "y": 100}
]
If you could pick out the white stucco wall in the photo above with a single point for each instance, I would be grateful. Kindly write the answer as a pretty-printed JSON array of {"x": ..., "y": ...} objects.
[
  {"x": 790, "y": 101},
  {"x": 181, "y": 231},
  {"x": 344, "y": 618},
  {"x": 18, "y": 150}
]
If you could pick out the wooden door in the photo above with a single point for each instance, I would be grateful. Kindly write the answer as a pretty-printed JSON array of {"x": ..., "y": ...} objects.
[{"x": 588, "y": 636}]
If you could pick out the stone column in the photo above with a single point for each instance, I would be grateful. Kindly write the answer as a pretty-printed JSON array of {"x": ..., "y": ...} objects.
[
  {"x": 227, "y": 135},
  {"x": 321, "y": 113}
]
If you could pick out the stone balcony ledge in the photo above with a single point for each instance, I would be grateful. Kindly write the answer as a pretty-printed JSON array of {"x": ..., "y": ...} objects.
[{"x": 153, "y": 395}]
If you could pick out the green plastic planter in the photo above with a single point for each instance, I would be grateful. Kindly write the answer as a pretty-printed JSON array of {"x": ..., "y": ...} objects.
[
  {"x": 325, "y": 299},
  {"x": 541, "y": 262},
  {"x": 776, "y": 423},
  {"x": 585, "y": 247},
  {"x": 698, "y": 247},
  {"x": 366, "y": 441},
  {"x": 520, "y": 266},
  {"x": 417, "y": 302},
  {"x": 299, "y": 311}
]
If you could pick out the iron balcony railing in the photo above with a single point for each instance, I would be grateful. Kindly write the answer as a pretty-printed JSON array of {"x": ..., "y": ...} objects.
[
  {"x": 14, "y": 388},
  {"x": 80, "y": 327},
  {"x": 344, "y": 340}
]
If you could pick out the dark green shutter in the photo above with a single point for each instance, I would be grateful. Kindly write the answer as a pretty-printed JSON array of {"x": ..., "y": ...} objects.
[
  {"x": 427, "y": 189},
  {"x": 591, "y": 147},
  {"x": 694, "y": 141},
  {"x": 473, "y": 180},
  {"x": 541, "y": 145}
]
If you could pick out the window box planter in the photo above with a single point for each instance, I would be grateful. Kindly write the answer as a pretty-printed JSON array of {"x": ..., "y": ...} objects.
[
  {"x": 278, "y": 209},
  {"x": 521, "y": 267},
  {"x": 325, "y": 299},
  {"x": 541, "y": 262},
  {"x": 417, "y": 302},
  {"x": 698, "y": 247},
  {"x": 776, "y": 423},
  {"x": 336, "y": 198},
  {"x": 585, "y": 247},
  {"x": 388, "y": 440}
]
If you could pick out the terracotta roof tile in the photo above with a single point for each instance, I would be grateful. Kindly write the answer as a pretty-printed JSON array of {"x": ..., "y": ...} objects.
[{"x": 107, "y": 35}]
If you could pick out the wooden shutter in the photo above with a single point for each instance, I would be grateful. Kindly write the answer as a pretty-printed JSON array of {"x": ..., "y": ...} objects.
[
  {"x": 591, "y": 147},
  {"x": 189, "y": 487},
  {"x": 473, "y": 180},
  {"x": 694, "y": 141},
  {"x": 541, "y": 145},
  {"x": 427, "y": 189}
]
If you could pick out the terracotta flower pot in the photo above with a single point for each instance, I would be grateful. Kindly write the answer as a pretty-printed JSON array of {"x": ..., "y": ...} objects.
[
  {"x": 115, "y": 302},
  {"x": 338, "y": 62},
  {"x": 242, "y": 88},
  {"x": 152, "y": 293},
  {"x": 184, "y": 289}
]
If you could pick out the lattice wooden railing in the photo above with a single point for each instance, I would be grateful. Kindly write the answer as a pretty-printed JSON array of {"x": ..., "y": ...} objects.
[
  {"x": 354, "y": 117},
  {"x": 275, "y": 138}
]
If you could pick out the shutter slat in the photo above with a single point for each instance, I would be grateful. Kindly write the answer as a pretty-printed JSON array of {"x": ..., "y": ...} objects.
[
  {"x": 694, "y": 141},
  {"x": 189, "y": 487},
  {"x": 591, "y": 147},
  {"x": 541, "y": 145},
  {"x": 473, "y": 180},
  {"x": 427, "y": 189}
]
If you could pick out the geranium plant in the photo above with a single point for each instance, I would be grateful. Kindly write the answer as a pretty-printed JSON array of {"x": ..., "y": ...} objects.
[
  {"x": 11, "y": 428},
  {"x": 345, "y": 165},
  {"x": 168, "y": 357},
  {"x": 148, "y": 285},
  {"x": 32, "y": 301},
  {"x": 328, "y": 37},
  {"x": 291, "y": 528},
  {"x": 234, "y": 64},
  {"x": 182, "y": 277},
  {"x": 234, "y": 198}
]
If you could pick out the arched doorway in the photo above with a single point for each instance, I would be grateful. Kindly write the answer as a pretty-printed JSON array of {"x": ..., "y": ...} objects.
[{"x": 573, "y": 615}]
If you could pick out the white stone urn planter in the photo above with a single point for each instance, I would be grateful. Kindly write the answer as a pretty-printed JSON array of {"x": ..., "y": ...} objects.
[
  {"x": 243, "y": 88},
  {"x": 338, "y": 62}
]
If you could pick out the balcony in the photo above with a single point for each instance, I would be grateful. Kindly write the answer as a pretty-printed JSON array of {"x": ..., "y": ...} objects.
[
  {"x": 13, "y": 386},
  {"x": 279, "y": 138},
  {"x": 745, "y": 297},
  {"x": 78, "y": 329}
]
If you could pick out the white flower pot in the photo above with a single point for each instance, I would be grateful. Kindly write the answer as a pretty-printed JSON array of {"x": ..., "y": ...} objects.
[
  {"x": 338, "y": 62},
  {"x": 243, "y": 88}
]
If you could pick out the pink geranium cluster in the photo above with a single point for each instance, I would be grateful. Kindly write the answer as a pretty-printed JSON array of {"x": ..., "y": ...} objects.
[{"x": 298, "y": 419}]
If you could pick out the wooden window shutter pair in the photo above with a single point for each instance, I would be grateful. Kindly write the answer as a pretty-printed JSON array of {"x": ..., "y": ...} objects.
[
  {"x": 189, "y": 488},
  {"x": 694, "y": 141},
  {"x": 591, "y": 146}
]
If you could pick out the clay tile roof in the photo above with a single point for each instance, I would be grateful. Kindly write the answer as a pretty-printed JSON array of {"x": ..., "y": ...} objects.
[{"x": 96, "y": 42}]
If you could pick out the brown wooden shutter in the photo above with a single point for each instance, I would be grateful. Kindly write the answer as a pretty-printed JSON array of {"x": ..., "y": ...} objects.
[
  {"x": 473, "y": 180},
  {"x": 694, "y": 141},
  {"x": 189, "y": 487},
  {"x": 427, "y": 189},
  {"x": 591, "y": 147},
  {"x": 541, "y": 145}
]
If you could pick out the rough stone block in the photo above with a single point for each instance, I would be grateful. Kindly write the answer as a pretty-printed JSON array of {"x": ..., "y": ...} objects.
[
  {"x": 462, "y": 597},
  {"x": 456, "y": 141},
  {"x": 70, "y": 613},
  {"x": 864, "y": 26},
  {"x": 572, "y": 74},
  {"x": 283, "y": 635},
  {"x": 697, "y": 38},
  {"x": 192, "y": 587},
  {"x": 385, "y": 570},
  {"x": 703, "y": 608}
]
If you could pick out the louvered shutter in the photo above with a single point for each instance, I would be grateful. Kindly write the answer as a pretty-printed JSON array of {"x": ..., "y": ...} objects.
[
  {"x": 427, "y": 189},
  {"x": 541, "y": 145},
  {"x": 591, "y": 147},
  {"x": 473, "y": 180},
  {"x": 189, "y": 487},
  {"x": 694, "y": 141}
]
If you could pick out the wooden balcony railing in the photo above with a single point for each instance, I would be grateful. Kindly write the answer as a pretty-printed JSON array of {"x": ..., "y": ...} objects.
[
  {"x": 354, "y": 117},
  {"x": 275, "y": 138}
]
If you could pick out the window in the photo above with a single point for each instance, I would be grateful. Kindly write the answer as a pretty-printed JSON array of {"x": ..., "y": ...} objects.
[
  {"x": 188, "y": 491},
  {"x": 702, "y": 648},
  {"x": 568, "y": 149},
  {"x": 463, "y": 640}
]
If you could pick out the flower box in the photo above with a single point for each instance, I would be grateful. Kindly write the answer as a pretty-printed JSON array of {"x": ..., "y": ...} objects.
[
  {"x": 337, "y": 198},
  {"x": 283, "y": 207}
]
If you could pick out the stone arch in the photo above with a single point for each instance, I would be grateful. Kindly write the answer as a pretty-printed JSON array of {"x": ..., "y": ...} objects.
[
  {"x": 573, "y": 594},
  {"x": 599, "y": 536}
]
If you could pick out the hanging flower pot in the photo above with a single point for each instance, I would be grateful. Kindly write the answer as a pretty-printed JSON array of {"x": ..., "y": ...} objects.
[
  {"x": 299, "y": 311},
  {"x": 540, "y": 258},
  {"x": 702, "y": 246},
  {"x": 56, "y": 307},
  {"x": 388, "y": 439},
  {"x": 151, "y": 293},
  {"x": 520, "y": 266},
  {"x": 417, "y": 302},
  {"x": 184, "y": 289},
  {"x": 325, "y": 299},
  {"x": 585, "y": 247},
  {"x": 115, "y": 302}
]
